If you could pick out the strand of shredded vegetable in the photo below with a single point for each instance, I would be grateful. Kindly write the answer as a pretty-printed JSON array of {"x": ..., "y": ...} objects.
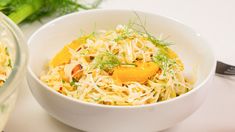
[
  {"x": 5, "y": 63},
  {"x": 98, "y": 86}
]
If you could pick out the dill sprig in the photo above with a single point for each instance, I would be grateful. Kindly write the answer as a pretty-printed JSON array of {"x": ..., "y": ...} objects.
[
  {"x": 106, "y": 61},
  {"x": 161, "y": 58},
  {"x": 156, "y": 41},
  {"x": 164, "y": 61},
  {"x": 138, "y": 26},
  {"x": 73, "y": 83},
  {"x": 126, "y": 33}
]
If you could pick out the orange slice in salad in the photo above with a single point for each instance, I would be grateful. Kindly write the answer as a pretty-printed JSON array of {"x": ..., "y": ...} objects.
[
  {"x": 64, "y": 56},
  {"x": 141, "y": 73}
]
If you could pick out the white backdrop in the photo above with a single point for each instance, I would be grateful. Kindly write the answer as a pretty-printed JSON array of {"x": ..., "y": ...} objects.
[{"x": 213, "y": 19}]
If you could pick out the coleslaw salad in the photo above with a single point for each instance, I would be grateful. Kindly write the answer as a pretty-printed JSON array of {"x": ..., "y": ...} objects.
[{"x": 117, "y": 67}]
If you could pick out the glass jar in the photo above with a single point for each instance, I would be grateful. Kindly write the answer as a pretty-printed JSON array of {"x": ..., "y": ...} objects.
[{"x": 11, "y": 36}]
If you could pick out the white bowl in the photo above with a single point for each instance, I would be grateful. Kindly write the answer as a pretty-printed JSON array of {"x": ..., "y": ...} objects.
[{"x": 49, "y": 39}]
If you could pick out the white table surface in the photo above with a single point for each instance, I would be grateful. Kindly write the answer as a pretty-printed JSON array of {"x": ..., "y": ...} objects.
[{"x": 214, "y": 19}]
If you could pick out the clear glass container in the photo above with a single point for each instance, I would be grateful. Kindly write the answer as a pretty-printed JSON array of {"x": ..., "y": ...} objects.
[{"x": 11, "y": 36}]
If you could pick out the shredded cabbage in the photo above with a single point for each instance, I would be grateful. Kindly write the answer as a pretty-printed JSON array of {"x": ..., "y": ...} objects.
[
  {"x": 5, "y": 63},
  {"x": 144, "y": 72}
]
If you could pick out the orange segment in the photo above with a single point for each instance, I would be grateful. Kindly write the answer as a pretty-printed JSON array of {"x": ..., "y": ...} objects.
[
  {"x": 141, "y": 73},
  {"x": 173, "y": 55},
  {"x": 64, "y": 56},
  {"x": 63, "y": 77}
]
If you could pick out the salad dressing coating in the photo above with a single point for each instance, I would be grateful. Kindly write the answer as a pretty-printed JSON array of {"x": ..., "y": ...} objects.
[{"x": 122, "y": 67}]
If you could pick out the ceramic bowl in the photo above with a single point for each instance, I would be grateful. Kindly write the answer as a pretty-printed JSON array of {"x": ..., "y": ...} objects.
[{"x": 191, "y": 47}]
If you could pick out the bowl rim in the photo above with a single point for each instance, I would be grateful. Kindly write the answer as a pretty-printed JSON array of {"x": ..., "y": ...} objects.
[{"x": 199, "y": 86}]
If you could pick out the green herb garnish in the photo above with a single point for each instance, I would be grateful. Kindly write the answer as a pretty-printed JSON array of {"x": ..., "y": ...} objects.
[
  {"x": 156, "y": 41},
  {"x": 164, "y": 62},
  {"x": 106, "y": 61},
  {"x": 6, "y": 51},
  {"x": 9, "y": 63},
  {"x": 127, "y": 32},
  {"x": 73, "y": 82}
]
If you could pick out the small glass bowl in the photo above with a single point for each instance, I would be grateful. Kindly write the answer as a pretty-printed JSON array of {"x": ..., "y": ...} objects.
[{"x": 11, "y": 36}]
